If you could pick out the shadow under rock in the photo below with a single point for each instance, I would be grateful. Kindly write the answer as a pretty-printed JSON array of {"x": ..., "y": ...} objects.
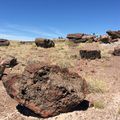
[
  {"x": 26, "y": 111},
  {"x": 84, "y": 105}
]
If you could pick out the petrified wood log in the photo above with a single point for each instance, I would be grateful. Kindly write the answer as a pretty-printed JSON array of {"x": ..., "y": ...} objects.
[{"x": 46, "y": 89}]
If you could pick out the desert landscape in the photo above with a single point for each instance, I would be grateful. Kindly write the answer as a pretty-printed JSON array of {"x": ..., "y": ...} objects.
[{"x": 94, "y": 59}]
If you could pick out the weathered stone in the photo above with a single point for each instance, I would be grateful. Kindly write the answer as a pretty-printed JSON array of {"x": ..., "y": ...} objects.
[
  {"x": 45, "y": 43},
  {"x": 26, "y": 42},
  {"x": 2, "y": 69},
  {"x": 114, "y": 34},
  {"x": 9, "y": 61},
  {"x": 81, "y": 38},
  {"x": 107, "y": 39},
  {"x": 116, "y": 51},
  {"x": 75, "y": 36},
  {"x": 90, "y": 52},
  {"x": 104, "y": 39},
  {"x": 114, "y": 40},
  {"x": 89, "y": 38},
  {"x": 4, "y": 42},
  {"x": 46, "y": 89}
]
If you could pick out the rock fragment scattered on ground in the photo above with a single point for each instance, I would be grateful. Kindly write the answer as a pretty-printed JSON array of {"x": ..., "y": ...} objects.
[{"x": 90, "y": 52}]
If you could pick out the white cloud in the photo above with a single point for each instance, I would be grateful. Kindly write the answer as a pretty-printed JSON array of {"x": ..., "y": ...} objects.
[
  {"x": 20, "y": 32},
  {"x": 36, "y": 31},
  {"x": 15, "y": 37},
  {"x": 56, "y": 31}
]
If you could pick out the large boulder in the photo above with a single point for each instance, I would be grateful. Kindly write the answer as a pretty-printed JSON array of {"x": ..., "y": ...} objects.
[
  {"x": 4, "y": 42},
  {"x": 90, "y": 52},
  {"x": 46, "y": 89},
  {"x": 114, "y": 34},
  {"x": 45, "y": 43},
  {"x": 116, "y": 51}
]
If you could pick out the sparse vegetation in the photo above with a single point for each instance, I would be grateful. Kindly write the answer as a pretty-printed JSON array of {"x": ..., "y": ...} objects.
[
  {"x": 99, "y": 74},
  {"x": 99, "y": 105},
  {"x": 95, "y": 85}
]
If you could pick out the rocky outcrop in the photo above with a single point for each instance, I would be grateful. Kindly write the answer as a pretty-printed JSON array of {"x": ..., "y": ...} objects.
[
  {"x": 116, "y": 51},
  {"x": 46, "y": 89},
  {"x": 114, "y": 34},
  {"x": 81, "y": 37},
  {"x": 90, "y": 52},
  {"x": 45, "y": 43},
  {"x": 4, "y": 42}
]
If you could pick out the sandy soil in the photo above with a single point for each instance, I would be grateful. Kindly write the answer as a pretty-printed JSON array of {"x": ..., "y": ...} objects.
[{"x": 102, "y": 76}]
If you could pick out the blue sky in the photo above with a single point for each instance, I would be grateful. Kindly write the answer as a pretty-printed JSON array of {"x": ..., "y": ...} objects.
[{"x": 28, "y": 19}]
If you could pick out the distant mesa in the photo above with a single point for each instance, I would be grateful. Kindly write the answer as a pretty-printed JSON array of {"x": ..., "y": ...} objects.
[
  {"x": 4, "y": 42},
  {"x": 45, "y": 43}
]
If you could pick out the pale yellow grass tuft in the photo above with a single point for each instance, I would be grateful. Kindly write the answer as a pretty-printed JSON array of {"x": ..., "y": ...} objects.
[
  {"x": 99, "y": 104},
  {"x": 96, "y": 85}
]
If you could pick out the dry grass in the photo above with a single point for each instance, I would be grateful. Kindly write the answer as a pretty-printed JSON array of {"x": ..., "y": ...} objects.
[
  {"x": 95, "y": 85},
  {"x": 99, "y": 105},
  {"x": 119, "y": 111}
]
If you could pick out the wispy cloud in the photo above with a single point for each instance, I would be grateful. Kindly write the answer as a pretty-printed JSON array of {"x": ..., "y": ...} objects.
[
  {"x": 56, "y": 31},
  {"x": 15, "y": 31},
  {"x": 15, "y": 37}
]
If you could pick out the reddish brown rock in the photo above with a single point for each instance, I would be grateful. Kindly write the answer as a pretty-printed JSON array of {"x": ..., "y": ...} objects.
[
  {"x": 46, "y": 89},
  {"x": 2, "y": 69},
  {"x": 104, "y": 39},
  {"x": 114, "y": 40},
  {"x": 4, "y": 42},
  {"x": 90, "y": 52},
  {"x": 75, "y": 36},
  {"x": 81, "y": 37},
  {"x": 45, "y": 43},
  {"x": 114, "y": 34},
  {"x": 9, "y": 61},
  {"x": 116, "y": 51}
]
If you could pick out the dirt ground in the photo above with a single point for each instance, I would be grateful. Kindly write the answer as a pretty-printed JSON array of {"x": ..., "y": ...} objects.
[{"x": 102, "y": 76}]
